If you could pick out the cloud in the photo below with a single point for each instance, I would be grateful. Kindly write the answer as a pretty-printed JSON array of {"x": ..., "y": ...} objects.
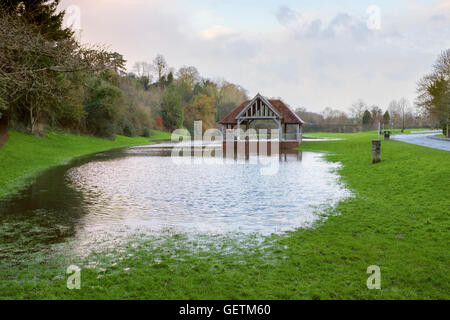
[
  {"x": 285, "y": 15},
  {"x": 216, "y": 32},
  {"x": 438, "y": 18},
  {"x": 340, "y": 25},
  {"x": 344, "y": 24},
  {"x": 311, "y": 57}
]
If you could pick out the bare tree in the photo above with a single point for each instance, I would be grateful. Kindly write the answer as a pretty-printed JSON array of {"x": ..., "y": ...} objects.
[
  {"x": 160, "y": 66},
  {"x": 142, "y": 69},
  {"x": 377, "y": 116},
  {"x": 357, "y": 110},
  {"x": 403, "y": 106},
  {"x": 395, "y": 113}
]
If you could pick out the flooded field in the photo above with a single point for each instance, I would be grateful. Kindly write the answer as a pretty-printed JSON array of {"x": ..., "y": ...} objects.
[{"x": 115, "y": 194}]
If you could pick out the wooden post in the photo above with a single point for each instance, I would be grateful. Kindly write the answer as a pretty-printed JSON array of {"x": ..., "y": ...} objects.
[
  {"x": 280, "y": 131},
  {"x": 238, "y": 129},
  {"x": 376, "y": 151},
  {"x": 301, "y": 133}
]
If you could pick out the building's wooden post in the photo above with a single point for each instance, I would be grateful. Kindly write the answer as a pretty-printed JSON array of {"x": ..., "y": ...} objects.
[
  {"x": 238, "y": 129},
  {"x": 298, "y": 132},
  {"x": 280, "y": 130},
  {"x": 376, "y": 151}
]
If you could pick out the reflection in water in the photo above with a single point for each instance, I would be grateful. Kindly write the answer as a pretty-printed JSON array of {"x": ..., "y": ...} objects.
[{"x": 143, "y": 188}]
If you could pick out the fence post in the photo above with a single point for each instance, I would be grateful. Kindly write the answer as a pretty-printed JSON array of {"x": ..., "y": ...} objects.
[{"x": 376, "y": 151}]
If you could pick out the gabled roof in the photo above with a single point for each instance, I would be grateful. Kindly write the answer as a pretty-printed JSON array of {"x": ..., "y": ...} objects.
[
  {"x": 286, "y": 114},
  {"x": 264, "y": 101}
]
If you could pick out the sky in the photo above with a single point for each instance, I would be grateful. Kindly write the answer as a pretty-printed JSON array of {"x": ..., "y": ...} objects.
[{"x": 312, "y": 54}]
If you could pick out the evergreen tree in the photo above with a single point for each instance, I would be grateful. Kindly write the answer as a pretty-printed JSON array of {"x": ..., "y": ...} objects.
[
  {"x": 41, "y": 14},
  {"x": 169, "y": 79},
  {"x": 366, "y": 119},
  {"x": 171, "y": 110},
  {"x": 386, "y": 118}
]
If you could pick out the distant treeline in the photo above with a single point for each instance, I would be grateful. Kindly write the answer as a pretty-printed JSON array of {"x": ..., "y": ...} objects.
[
  {"x": 432, "y": 108},
  {"x": 49, "y": 80},
  {"x": 361, "y": 117}
]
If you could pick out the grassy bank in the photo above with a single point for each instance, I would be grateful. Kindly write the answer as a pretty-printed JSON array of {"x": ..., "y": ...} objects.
[
  {"x": 398, "y": 220},
  {"x": 23, "y": 156}
]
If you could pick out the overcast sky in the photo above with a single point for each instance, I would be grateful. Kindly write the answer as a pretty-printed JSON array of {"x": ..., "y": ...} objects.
[{"x": 314, "y": 54}]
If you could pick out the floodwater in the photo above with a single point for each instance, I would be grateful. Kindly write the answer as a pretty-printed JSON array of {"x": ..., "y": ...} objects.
[{"x": 143, "y": 189}]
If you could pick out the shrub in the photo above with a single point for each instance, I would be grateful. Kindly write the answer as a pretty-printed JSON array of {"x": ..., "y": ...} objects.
[
  {"x": 444, "y": 129},
  {"x": 128, "y": 128},
  {"x": 146, "y": 132},
  {"x": 104, "y": 109}
]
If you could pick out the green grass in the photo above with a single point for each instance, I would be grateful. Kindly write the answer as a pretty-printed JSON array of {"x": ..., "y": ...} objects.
[
  {"x": 398, "y": 220},
  {"x": 340, "y": 135},
  {"x": 23, "y": 156},
  {"x": 160, "y": 135}
]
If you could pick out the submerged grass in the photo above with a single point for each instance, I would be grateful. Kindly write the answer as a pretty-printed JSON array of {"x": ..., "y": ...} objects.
[
  {"x": 23, "y": 156},
  {"x": 398, "y": 220}
]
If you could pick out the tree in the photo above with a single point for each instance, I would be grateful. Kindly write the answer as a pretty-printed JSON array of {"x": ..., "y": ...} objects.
[
  {"x": 143, "y": 73},
  {"x": 312, "y": 119},
  {"x": 377, "y": 116},
  {"x": 434, "y": 91},
  {"x": 104, "y": 108},
  {"x": 202, "y": 108},
  {"x": 46, "y": 83},
  {"x": 403, "y": 105},
  {"x": 395, "y": 113},
  {"x": 189, "y": 76},
  {"x": 145, "y": 82},
  {"x": 386, "y": 118},
  {"x": 171, "y": 110},
  {"x": 33, "y": 71},
  {"x": 160, "y": 66},
  {"x": 42, "y": 14},
  {"x": 367, "y": 119},
  {"x": 2, "y": 107},
  {"x": 228, "y": 97},
  {"x": 142, "y": 69},
  {"x": 169, "y": 80},
  {"x": 357, "y": 110},
  {"x": 187, "y": 79}
]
